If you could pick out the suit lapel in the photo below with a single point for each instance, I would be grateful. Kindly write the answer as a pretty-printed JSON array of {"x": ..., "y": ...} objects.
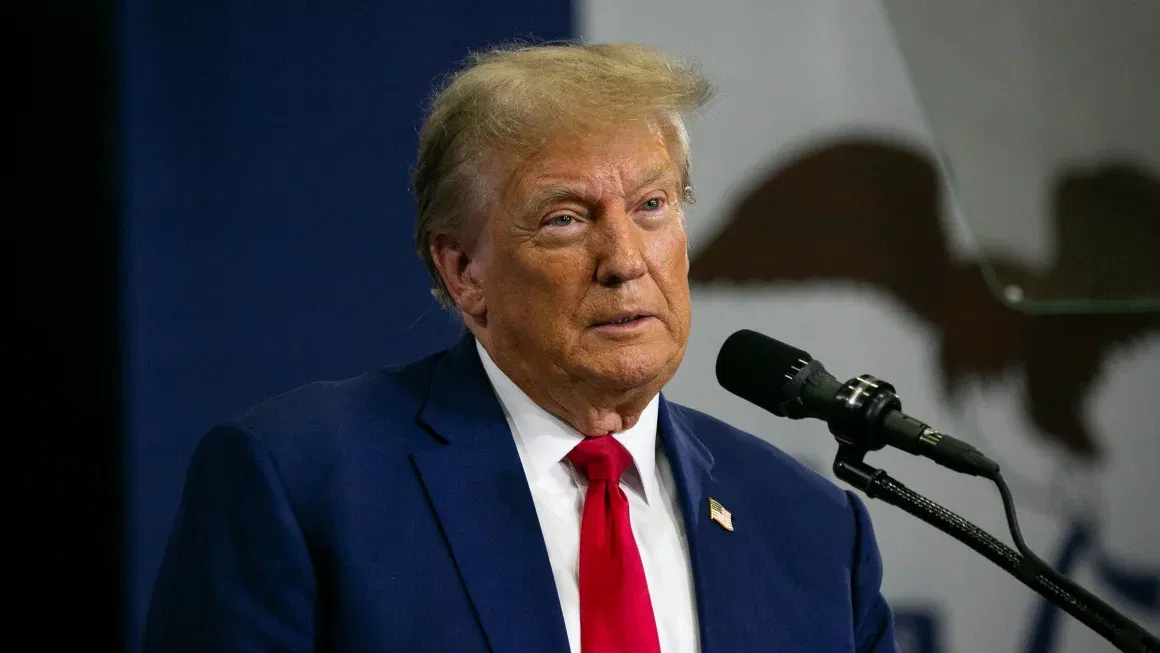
[
  {"x": 733, "y": 614},
  {"x": 692, "y": 466},
  {"x": 480, "y": 494}
]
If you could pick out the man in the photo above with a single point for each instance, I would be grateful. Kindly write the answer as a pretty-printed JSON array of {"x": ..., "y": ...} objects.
[{"x": 528, "y": 489}]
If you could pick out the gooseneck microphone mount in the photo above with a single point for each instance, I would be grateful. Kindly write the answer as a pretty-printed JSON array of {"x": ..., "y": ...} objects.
[
  {"x": 856, "y": 421},
  {"x": 864, "y": 414}
]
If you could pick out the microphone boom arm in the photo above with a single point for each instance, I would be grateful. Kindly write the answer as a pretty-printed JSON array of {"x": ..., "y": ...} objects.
[
  {"x": 1122, "y": 632},
  {"x": 864, "y": 414}
]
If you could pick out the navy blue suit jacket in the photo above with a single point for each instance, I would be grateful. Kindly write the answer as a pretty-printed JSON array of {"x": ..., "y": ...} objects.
[{"x": 390, "y": 512}]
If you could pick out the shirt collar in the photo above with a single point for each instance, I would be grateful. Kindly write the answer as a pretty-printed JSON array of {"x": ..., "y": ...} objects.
[{"x": 546, "y": 439}]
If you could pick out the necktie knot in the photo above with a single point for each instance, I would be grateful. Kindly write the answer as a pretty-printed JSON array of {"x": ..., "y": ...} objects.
[{"x": 601, "y": 458}]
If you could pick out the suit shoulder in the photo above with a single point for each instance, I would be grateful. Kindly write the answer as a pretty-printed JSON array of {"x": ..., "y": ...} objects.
[
  {"x": 310, "y": 426},
  {"x": 385, "y": 393},
  {"x": 760, "y": 462},
  {"x": 319, "y": 438}
]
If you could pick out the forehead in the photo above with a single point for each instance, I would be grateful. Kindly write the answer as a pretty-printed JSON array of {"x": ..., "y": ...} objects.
[{"x": 611, "y": 161}]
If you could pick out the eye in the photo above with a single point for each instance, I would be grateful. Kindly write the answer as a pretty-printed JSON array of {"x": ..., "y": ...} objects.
[
  {"x": 652, "y": 204},
  {"x": 560, "y": 221}
]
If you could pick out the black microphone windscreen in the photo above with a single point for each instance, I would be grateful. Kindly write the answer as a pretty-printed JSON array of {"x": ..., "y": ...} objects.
[{"x": 756, "y": 367}]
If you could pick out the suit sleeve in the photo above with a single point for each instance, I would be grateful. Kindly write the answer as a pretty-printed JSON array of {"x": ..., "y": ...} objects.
[
  {"x": 237, "y": 575},
  {"x": 873, "y": 619}
]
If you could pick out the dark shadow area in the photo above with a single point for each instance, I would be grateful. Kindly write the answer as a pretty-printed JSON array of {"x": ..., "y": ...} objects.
[{"x": 62, "y": 463}]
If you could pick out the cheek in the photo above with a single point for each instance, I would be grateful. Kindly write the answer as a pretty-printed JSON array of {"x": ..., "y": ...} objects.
[
  {"x": 670, "y": 255},
  {"x": 543, "y": 286},
  {"x": 560, "y": 274}
]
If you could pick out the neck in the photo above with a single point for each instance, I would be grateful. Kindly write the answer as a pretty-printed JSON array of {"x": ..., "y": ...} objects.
[
  {"x": 592, "y": 414},
  {"x": 590, "y": 408}
]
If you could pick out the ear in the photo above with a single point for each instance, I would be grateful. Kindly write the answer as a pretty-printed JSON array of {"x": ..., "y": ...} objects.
[{"x": 460, "y": 270}]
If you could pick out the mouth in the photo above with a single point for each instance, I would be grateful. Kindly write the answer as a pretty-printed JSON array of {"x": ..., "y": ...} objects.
[{"x": 625, "y": 322}]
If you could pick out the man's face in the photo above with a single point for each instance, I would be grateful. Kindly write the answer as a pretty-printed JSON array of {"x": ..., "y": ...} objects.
[{"x": 583, "y": 266}]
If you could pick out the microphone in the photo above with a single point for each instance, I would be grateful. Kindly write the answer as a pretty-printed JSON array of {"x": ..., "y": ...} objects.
[{"x": 863, "y": 413}]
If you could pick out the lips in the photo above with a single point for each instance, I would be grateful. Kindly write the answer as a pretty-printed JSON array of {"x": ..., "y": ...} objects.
[{"x": 627, "y": 317}]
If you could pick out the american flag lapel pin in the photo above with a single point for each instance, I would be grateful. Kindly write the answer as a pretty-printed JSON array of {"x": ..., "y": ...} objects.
[{"x": 719, "y": 514}]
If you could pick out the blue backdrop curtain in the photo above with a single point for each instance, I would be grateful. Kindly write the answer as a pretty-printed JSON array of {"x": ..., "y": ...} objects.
[{"x": 267, "y": 224}]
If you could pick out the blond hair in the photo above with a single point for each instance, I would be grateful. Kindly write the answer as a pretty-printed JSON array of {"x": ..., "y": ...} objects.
[{"x": 510, "y": 103}]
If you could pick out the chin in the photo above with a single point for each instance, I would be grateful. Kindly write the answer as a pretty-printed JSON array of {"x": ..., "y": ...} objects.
[{"x": 628, "y": 368}]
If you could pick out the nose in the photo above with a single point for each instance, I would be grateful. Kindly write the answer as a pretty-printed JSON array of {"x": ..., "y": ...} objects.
[{"x": 620, "y": 250}]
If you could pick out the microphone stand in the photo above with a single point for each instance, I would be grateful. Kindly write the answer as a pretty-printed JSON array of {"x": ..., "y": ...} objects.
[{"x": 1122, "y": 632}]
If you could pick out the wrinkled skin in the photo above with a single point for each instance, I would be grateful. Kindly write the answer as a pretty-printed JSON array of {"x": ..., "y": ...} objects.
[{"x": 588, "y": 232}]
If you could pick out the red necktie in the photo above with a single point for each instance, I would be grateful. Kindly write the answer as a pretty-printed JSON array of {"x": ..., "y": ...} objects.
[{"x": 616, "y": 614}]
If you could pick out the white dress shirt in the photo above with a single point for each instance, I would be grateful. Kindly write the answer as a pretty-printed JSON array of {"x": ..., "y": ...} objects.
[{"x": 558, "y": 490}]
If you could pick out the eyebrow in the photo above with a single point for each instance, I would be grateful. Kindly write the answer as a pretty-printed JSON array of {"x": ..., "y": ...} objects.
[
  {"x": 566, "y": 191},
  {"x": 655, "y": 174},
  {"x": 555, "y": 194}
]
